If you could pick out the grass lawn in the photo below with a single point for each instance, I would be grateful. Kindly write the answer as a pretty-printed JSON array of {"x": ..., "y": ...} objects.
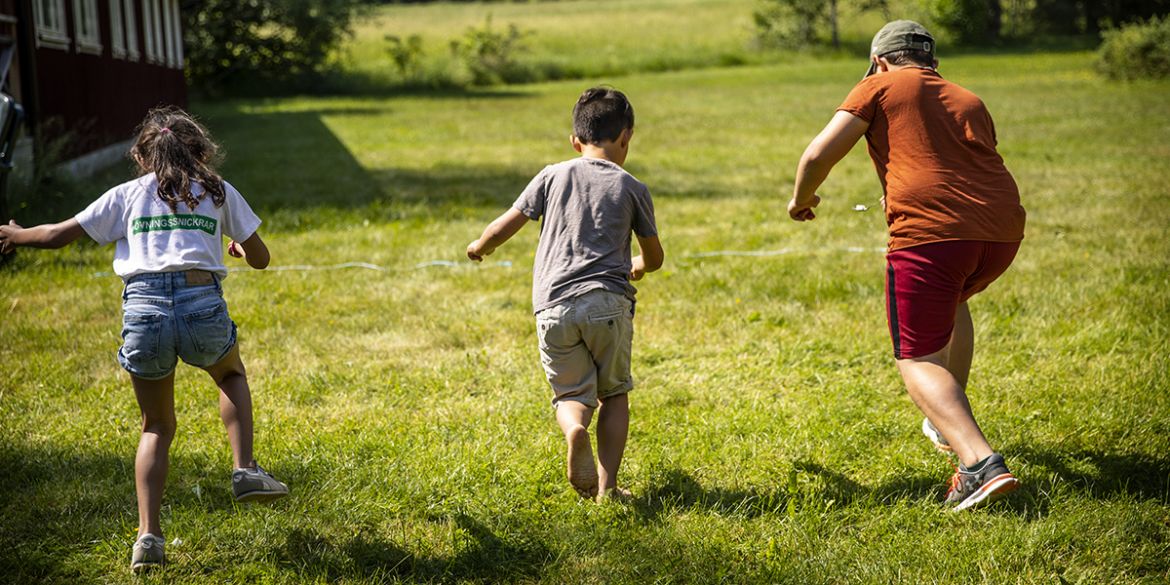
[
  {"x": 771, "y": 438},
  {"x": 576, "y": 39}
]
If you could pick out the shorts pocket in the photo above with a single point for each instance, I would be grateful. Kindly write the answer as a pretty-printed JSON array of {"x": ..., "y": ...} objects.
[
  {"x": 545, "y": 330},
  {"x": 140, "y": 336},
  {"x": 608, "y": 315},
  {"x": 210, "y": 329}
]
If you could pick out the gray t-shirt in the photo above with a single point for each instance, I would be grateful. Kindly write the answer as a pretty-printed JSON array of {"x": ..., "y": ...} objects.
[{"x": 589, "y": 206}]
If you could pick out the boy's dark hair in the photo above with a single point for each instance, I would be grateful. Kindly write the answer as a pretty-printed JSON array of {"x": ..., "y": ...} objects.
[
  {"x": 601, "y": 114},
  {"x": 910, "y": 57},
  {"x": 178, "y": 150}
]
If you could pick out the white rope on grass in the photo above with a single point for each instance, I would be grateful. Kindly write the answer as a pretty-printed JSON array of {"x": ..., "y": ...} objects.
[
  {"x": 508, "y": 263},
  {"x": 344, "y": 265},
  {"x": 308, "y": 267},
  {"x": 780, "y": 252}
]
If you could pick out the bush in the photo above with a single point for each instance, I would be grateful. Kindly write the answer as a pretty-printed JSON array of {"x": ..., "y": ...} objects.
[
  {"x": 406, "y": 54},
  {"x": 490, "y": 56},
  {"x": 789, "y": 24},
  {"x": 262, "y": 43},
  {"x": 1140, "y": 50},
  {"x": 969, "y": 22}
]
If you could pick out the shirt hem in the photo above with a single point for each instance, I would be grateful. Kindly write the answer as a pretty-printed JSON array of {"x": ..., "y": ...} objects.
[
  {"x": 892, "y": 248},
  {"x": 576, "y": 293},
  {"x": 220, "y": 271}
]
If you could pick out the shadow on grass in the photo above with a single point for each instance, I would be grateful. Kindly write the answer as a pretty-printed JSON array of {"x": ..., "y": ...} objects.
[
  {"x": 297, "y": 174},
  {"x": 48, "y": 499},
  {"x": 351, "y": 83},
  {"x": 55, "y": 502},
  {"x": 1090, "y": 473},
  {"x": 810, "y": 485},
  {"x": 484, "y": 557}
]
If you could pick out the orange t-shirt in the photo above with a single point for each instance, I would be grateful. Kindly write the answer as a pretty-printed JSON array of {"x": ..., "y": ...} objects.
[{"x": 933, "y": 144}]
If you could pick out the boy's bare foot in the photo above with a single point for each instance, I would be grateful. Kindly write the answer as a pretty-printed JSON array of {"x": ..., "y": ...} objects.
[
  {"x": 582, "y": 470},
  {"x": 620, "y": 495}
]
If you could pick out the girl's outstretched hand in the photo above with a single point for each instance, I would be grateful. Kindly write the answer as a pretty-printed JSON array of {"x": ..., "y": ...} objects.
[
  {"x": 6, "y": 233},
  {"x": 234, "y": 250}
]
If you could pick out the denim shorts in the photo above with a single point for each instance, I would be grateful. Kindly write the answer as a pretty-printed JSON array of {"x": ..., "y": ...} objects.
[
  {"x": 165, "y": 318},
  {"x": 585, "y": 346}
]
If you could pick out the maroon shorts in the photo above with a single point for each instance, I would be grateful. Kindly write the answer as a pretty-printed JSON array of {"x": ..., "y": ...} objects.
[{"x": 926, "y": 283}]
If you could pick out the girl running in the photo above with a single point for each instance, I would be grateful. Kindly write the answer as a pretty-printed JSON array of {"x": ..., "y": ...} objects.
[{"x": 168, "y": 227}]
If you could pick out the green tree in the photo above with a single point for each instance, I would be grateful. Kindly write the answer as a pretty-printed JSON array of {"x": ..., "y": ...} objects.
[
  {"x": 796, "y": 24},
  {"x": 262, "y": 42},
  {"x": 970, "y": 22}
]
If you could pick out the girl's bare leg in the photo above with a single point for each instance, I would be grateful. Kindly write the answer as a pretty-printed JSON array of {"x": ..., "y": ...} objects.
[
  {"x": 235, "y": 405},
  {"x": 156, "y": 398}
]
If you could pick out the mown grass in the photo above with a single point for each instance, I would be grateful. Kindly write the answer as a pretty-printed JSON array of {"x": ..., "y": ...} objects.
[
  {"x": 571, "y": 40},
  {"x": 771, "y": 439}
]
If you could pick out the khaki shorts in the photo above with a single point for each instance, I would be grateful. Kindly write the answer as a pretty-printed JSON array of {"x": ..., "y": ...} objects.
[{"x": 585, "y": 346}]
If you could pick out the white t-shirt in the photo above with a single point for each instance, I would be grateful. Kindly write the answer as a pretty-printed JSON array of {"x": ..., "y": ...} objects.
[{"x": 151, "y": 238}]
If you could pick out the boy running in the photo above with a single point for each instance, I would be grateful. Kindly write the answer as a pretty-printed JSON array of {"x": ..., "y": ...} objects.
[
  {"x": 581, "y": 292},
  {"x": 955, "y": 224}
]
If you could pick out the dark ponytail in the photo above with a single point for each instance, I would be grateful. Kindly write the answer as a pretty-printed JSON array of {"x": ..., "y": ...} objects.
[{"x": 179, "y": 151}]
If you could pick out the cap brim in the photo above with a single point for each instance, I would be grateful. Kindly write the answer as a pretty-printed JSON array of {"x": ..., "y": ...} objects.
[{"x": 872, "y": 69}]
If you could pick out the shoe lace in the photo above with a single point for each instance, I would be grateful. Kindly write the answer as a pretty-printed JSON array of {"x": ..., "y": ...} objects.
[
  {"x": 956, "y": 483},
  {"x": 148, "y": 542}
]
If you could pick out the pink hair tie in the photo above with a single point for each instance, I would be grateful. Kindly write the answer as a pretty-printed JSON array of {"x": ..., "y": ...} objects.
[{"x": 165, "y": 130}]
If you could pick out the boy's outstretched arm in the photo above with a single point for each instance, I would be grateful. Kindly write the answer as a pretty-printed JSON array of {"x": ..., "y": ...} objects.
[
  {"x": 49, "y": 235},
  {"x": 649, "y": 260},
  {"x": 496, "y": 233},
  {"x": 825, "y": 151},
  {"x": 252, "y": 250}
]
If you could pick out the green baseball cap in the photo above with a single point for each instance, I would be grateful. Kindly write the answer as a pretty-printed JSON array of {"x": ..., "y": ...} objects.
[{"x": 898, "y": 35}]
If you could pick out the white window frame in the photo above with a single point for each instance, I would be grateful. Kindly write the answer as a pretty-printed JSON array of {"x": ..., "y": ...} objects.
[
  {"x": 131, "y": 16},
  {"x": 87, "y": 27},
  {"x": 177, "y": 34},
  {"x": 150, "y": 30},
  {"x": 117, "y": 30},
  {"x": 50, "y": 23},
  {"x": 168, "y": 35}
]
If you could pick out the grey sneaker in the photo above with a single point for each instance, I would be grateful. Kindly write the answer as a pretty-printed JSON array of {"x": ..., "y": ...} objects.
[
  {"x": 256, "y": 485},
  {"x": 148, "y": 553},
  {"x": 932, "y": 433},
  {"x": 991, "y": 482}
]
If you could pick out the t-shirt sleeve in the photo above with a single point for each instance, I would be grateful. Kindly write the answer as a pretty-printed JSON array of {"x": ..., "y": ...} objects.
[
  {"x": 239, "y": 221},
  {"x": 105, "y": 219},
  {"x": 861, "y": 101},
  {"x": 991, "y": 127},
  {"x": 644, "y": 223},
  {"x": 532, "y": 199}
]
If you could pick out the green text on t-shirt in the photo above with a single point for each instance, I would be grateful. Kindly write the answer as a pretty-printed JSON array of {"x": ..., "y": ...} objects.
[{"x": 160, "y": 223}]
